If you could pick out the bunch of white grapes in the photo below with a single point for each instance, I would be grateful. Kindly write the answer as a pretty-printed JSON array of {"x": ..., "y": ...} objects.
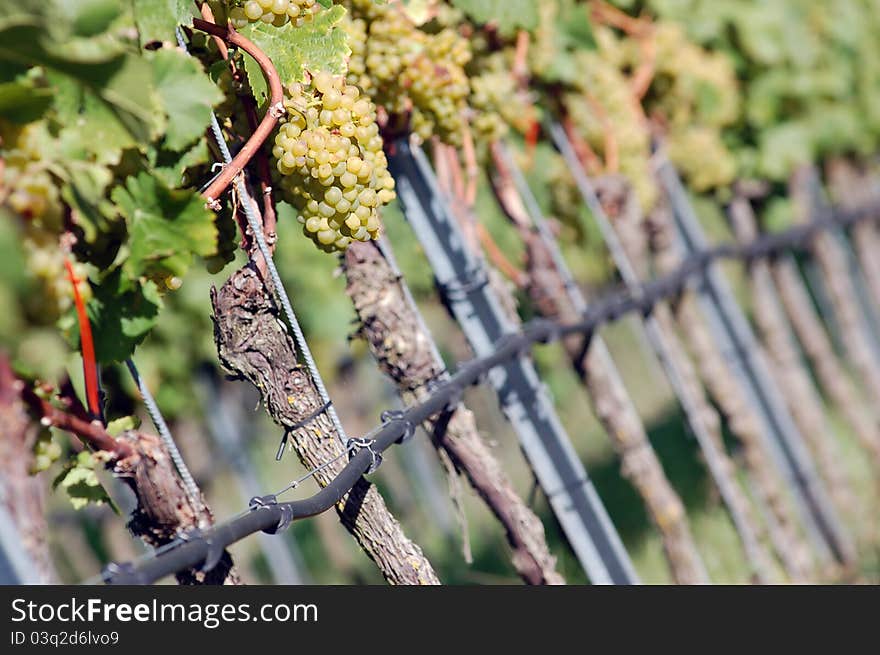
[
  {"x": 333, "y": 169},
  {"x": 497, "y": 100},
  {"x": 604, "y": 105},
  {"x": 30, "y": 192},
  {"x": 273, "y": 12},
  {"x": 409, "y": 71}
]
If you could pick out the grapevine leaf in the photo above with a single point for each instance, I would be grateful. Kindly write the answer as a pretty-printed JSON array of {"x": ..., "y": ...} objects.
[
  {"x": 319, "y": 45},
  {"x": 80, "y": 481},
  {"x": 575, "y": 27},
  {"x": 509, "y": 15},
  {"x": 22, "y": 102},
  {"x": 121, "y": 314},
  {"x": 156, "y": 20},
  {"x": 117, "y": 426},
  {"x": 84, "y": 193},
  {"x": 87, "y": 17},
  {"x": 91, "y": 129},
  {"x": 171, "y": 166},
  {"x": 165, "y": 226},
  {"x": 783, "y": 147},
  {"x": 187, "y": 95},
  {"x": 20, "y": 12},
  {"x": 121, "y": 82}
]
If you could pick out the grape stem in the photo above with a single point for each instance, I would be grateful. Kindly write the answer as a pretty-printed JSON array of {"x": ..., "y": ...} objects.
[
  {"x": 270, "y": 120},
  {"x": 92, "y": 432},
  {"x": 452, "y": 185},
  {"x": 264, "y": 172}
]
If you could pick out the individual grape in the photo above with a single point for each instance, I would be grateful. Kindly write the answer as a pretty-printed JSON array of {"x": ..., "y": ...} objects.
[{"x": 332, "y": 165}]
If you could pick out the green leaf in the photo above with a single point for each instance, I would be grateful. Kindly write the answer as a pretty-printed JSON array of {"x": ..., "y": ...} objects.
[
  {"x": 120, "y": 82},
  {"x": 90, "y": 130},
  {"x": 784, "y": 147},
  {"x": 84, "y": 192},
  {"x": 121, "y": 314},
  {"x": 79, "y": 480},
  {"x": 120, "y": 425},
  {"x": 22, "y": 102},
  {"x": 156, "y": 20},
  {"x": 187, "y": 95},
  {"x": 18, "y": 12},
  {"x": 88, "y": 17},
  {"x": 509, "y": 15},
  {"x": 171, "y": 166},
  {"x": 319, "y": 45},
  {"x": 166, "y": 227}
]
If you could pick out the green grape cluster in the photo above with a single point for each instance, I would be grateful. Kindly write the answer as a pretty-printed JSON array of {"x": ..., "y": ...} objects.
[
  {"x": 498, "y": 102},
  {"x": 273, "y": 12},
  {"x": 438, "y": 86},
  {"x": 47, "y": 451},
  {"x": 604, "y": 102},
  {"x": 702, "y": 157},
  {"x": 410, "y": 71},
  {"x": 809, "y": 75},
  {"x": 30, "y": 192},
  {"x": 333, "y": 169}
]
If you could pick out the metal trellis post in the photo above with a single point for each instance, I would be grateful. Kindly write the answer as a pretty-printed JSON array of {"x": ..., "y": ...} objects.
[
  {"x": 461, "y": 279},
  {"x": 735, "y": 337},
  {"x": 663, "y": 349}
]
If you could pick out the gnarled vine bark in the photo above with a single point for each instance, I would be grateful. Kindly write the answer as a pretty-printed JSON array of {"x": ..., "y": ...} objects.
[
  {"x": 390, "y": 326},
  {"x": 254, "y": 344}
]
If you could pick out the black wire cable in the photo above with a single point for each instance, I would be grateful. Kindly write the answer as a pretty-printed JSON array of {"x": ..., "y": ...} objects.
[{"x": 268, "y": 515}]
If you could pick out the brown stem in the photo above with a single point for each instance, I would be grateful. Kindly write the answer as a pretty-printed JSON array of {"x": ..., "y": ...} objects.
[
  {"x": 499, "y": 259},
  {"x": 852, "y": 188},
  {"x": 584, "y": 152},
  {"x": 472, "y": 170},
  {"x": 832, "y": 260},
  {"x": 611, "y": 402},
  {"x": 164, "y": 509},
  {"x": 22, "y": 494},
  {"x": 390, "y": 324},
  {"x": 644, "y": 74},
  {"x": 92, "y": 432},
  {"x": 791, "y": 375},
  {"x": 606, "y": 14},
  {"x": 722, "y": 385},
  {"x": 617, "y": 199},
  {"x": 264, "y": 129},
  {"x": 831, "y": 375},
  {"x": 611, "y": 150},
  {"x": 264, "y": 171}
]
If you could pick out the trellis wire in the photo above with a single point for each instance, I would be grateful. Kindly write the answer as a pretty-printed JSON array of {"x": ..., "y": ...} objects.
[
  {"x": 256, "y": 226},
  {"x": 655, "y": 339},
  {"x": 192, "y": 489},
  {"x": 273, "y": 516},
  {"x": 462, "y": 280},
  {"x": 733, "y": 334},
  {"x": 663, "y": 348}
]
